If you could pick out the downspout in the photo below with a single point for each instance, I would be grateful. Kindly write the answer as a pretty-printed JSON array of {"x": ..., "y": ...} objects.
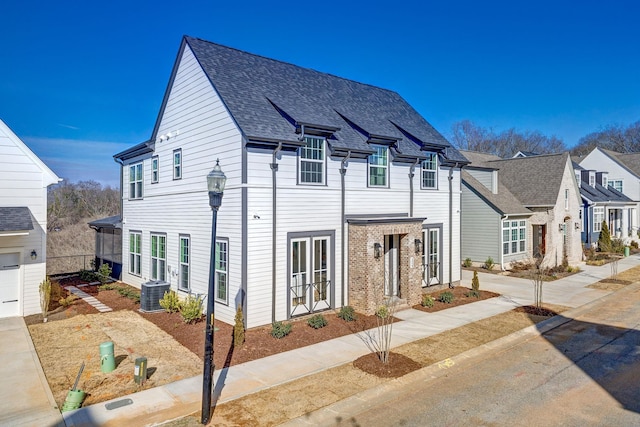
[
  {"x": 274, "y": 169},
  {"x": 451, "y": 223},
  {"x": 343, "y": 172},
  {"x": 411, "y": 175},
  {"x": 121, "y": 163},
  {"x": 502, "y": 219}
]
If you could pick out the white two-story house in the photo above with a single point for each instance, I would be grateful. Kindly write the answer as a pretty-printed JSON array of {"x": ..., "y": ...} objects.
[
  {"x": 24, "y": 179},
  {"x": 338, "y": 193}
]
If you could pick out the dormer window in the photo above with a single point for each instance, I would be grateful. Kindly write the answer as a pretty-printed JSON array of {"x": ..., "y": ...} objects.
[
  {"x": 430, "y": 171},
  {"x": 312, "y": 160},
  {"x": 592, "y": 180},
  {"x": 378, "y": 166}
]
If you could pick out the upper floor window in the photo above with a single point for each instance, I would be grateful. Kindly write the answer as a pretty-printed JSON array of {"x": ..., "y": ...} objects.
[
  {"x": 155, "y": 163},
  {"x": 177, "y": 164},
  {"x": 592, "y": 180},
  {"x": 378, "y": 166},
  {"x": 312, "y": 161},
  {"x": 430, "y": 171},
  {"x": 616, "y": 184},
  {"x": 566, "y": 199},
  {"x": 135, "y": 181}
]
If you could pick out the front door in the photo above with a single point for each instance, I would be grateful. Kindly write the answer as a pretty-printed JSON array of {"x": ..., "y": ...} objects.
[
  {"x": 391, "y": 265},
  {"x": 431, "y": 257},
  {"x": 539, "y": 241},
  {"x": 310, "y": 287},
  {"x": 9, "y": 285}
]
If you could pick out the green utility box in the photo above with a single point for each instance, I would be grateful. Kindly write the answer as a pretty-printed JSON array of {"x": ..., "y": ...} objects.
[{"x": 107, "y": 359}]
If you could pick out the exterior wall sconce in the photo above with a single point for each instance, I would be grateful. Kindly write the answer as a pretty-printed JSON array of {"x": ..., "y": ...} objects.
[
  {"x": 577, "y": 226},
  {"x": 377, "y": 250},
  {"x": 561, "y": 227},
  {"x": 418, "y": 245},
  {"x": 34, "y": 255}
]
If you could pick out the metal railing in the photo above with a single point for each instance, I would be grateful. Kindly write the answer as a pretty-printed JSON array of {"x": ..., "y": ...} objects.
[{"x": 69, "y": 264}]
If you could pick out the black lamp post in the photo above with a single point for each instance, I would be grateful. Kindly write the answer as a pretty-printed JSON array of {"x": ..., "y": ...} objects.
[{"x": 215, "y": 182}]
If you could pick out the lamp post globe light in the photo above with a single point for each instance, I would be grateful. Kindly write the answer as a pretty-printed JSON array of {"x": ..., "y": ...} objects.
[{"x": 216, "y": 181}]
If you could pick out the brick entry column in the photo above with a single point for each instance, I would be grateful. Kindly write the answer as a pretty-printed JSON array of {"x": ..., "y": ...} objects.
[{"x": 366, "y": 272}]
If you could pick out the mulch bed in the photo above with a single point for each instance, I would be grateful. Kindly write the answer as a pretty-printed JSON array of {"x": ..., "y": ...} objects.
[
  {"x": 396, "y": 366},
  {"x": 459, "y": 298},
  {"x": 533, "y": 310}
]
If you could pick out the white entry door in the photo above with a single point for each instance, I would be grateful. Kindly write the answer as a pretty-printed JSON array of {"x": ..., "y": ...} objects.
[{"x": 9, "y": 285}]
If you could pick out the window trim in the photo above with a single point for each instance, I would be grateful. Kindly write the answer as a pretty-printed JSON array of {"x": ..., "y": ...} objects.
[
  {"x": 225, "y": 241},
  {"x": 424, "y": 171},
  {"x": 309, "y": 160},
  {"x": 135, "y": 258},
  {"x": 137, "y": 184},
  {"x": 566, "y": 199},
  {"x": 161, "y": 266},
  {"x": 155, "y": 169},
  {"x": 182, "y": 264},
  {"x": 177, "y": 167},
  {"x": 613, "y": 182},
  {"x": 385, "y": 166},
  {"x": 520, "y": 227},
  {"x": 598, "y": 224}
]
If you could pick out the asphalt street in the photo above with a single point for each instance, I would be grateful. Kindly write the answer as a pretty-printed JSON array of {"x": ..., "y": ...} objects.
[{"x": 585, "y": 372}]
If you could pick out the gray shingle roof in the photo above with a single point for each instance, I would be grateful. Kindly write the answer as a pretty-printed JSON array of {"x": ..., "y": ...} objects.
[
  {"x": 504, "y": 202},
  {"x": 479, "y": 159},
  {"x": 108, "y": 222},
  {"x": 270, "y": 100},
  {"x": 15, "y": 219},
  {"x": 630, "y": 160}
]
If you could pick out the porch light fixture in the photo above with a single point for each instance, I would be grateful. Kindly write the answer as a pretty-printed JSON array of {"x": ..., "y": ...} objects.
[
  {"x": 216, "y": 180},
  {"x": 34, "y": 255},
  {"x": 377, "y": 250},
  {"x": 560, "y": 227},
  {"x": 418, "y": 245}
]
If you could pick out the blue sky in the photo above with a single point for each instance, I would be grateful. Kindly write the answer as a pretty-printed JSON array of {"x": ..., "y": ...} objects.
[{"x": 82, "y": 80}]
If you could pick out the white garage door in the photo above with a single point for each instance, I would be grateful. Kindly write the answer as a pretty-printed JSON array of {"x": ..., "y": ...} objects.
[{"x": 9, "y": 285}]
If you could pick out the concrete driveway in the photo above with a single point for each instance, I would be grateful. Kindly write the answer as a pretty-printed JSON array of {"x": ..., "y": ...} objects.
[{"x": 25, "y": 397}]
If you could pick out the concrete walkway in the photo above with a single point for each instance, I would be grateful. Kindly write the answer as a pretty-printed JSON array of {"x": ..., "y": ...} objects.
[
  {"x": 183, "y": 397},
  {"x": 25, "y": 397}
]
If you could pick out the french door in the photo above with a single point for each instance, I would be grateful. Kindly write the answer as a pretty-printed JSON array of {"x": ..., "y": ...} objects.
[
  {"x": 431, "y": 257},
  {"x": 309, "y": 287}
]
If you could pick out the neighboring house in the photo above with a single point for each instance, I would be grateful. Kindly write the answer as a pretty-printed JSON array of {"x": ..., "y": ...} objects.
[
  {"x": 543, "y": 184},
  {"x": 624, "y": 176},
  {"x": 23, "y": 225},
  {"x": 109, "y": 244},
  {"x": 338, "y": 193},
  {"x": 525, "y": 154},
  {"x": 601, "y": 202}
]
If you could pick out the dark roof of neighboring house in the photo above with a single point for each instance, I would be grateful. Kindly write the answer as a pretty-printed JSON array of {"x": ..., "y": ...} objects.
[
  {"x": 631, "y": 161},
  {"x": 271, "y": 101},
  {"x": 504, "y": 202},
  {"x": 479, "y": 159},
  {"x": 525, "y": 154},
  {"x": 108, "y": 222},
  {"x": 15, "y": 219},
  {"x": 535, "y": 180},
  {"x": 600, "y": 194}
]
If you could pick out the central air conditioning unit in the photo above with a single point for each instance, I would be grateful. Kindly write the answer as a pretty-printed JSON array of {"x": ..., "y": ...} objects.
[{"x": 150, "y": 295}]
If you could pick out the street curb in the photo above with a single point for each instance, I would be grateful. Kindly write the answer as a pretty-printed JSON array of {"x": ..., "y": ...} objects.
[{"x": 332, "y": 414}]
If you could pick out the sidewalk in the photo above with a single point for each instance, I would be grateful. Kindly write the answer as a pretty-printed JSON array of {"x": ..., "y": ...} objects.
[{"x": 184, "y": 397}]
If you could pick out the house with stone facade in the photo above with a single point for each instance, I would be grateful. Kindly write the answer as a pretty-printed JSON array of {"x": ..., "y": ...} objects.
[
  {"x": 520, "y": 208},
  {"x": 338, "y": 193},
  {"x": 23, "y": 225}
]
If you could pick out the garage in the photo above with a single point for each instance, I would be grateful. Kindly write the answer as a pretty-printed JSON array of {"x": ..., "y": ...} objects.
[{"x": 9, "y": 285}]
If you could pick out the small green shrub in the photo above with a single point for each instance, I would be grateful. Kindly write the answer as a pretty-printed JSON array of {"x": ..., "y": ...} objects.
[
  {"x": 382, "y": 312},
  {"x": 467, "y": 263},
  {"x": 473, "y": 294},
  {"x": 427, "y": 300},
  {"x": 88, "y": 276},
  {"x": 475, "y": 283},
  {"x": 633, "y": 244},
  {"x": 191, "y": 308},
  {"x": 238, "y": 328},
  {"x": 280, "y": 330},
  {"x": 489, "y": 264},
  {"x": 170, "y": 302},
  {"x": 132, "y": 294},
  {"x": 107, "y": 287},
  {"x": 446, "y": 297},
  {"x": 347, "y": 313},
  {"x": 318, "y": 321},
  {"x": 617, "y": 246},
  {"x": 104, "y": 273}
]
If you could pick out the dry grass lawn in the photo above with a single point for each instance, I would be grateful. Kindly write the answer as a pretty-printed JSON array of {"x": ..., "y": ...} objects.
[{"x": 63, "y": 345}]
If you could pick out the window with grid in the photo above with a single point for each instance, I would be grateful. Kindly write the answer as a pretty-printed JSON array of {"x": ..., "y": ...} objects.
[
  {"x": 598, "y": 217},
  {"x": 616, "y": 184},
  {"x": 312, "y": 161},
  {"x": 183, "y": 278},
  {"x": 135, "y": 181},
  {"x": 135, "y": 252},
  {"x": 158, "y": 257},
  {"x": 430, "y": 171},
  {"x": 378, "y": 166},
  {"x": 514, "y": 235},
  {"x": 222, "y": 270},
  {"x": 155, "y": 163},
  {"x": 177, "y": 164}
]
